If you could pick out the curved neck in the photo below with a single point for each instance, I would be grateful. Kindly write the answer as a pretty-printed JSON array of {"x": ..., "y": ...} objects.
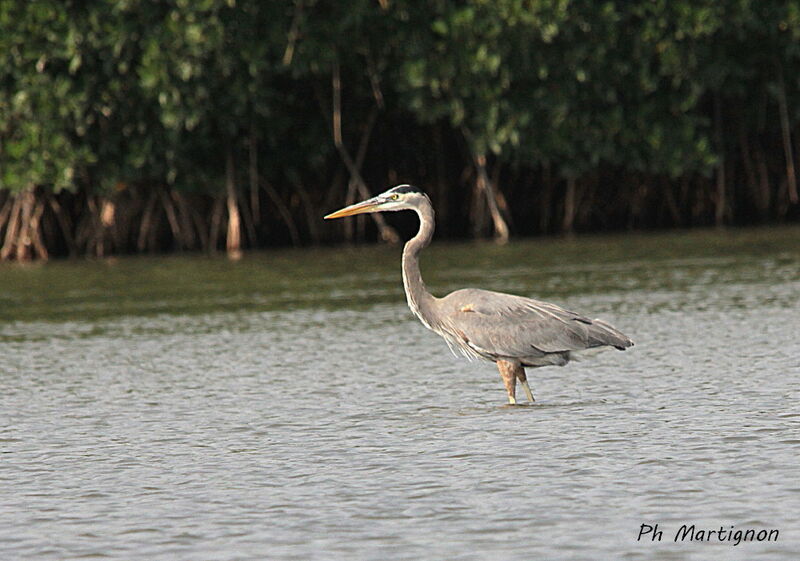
[{"x": 419, "y": 299}]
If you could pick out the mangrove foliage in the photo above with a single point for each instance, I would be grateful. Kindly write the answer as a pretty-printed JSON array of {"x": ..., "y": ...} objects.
[{"x": 140, "y": 125}]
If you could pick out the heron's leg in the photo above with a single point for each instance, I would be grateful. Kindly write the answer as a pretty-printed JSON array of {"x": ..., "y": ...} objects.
[
  {"x": 508, "y": 373},
  {"x": 523, "y": 381}
]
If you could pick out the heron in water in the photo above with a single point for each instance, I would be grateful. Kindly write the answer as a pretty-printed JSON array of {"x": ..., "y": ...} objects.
[{"x": 512, "y": 331}]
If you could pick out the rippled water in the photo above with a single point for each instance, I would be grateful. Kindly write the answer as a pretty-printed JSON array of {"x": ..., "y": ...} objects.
[{"x": 289, "y": 406}]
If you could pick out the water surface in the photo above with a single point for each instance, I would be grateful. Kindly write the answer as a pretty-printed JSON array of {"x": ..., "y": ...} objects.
[{"x": 288, "y": 406}]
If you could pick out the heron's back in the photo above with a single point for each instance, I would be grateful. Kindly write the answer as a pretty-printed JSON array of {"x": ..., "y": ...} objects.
[{"x": 495, "y": 326}]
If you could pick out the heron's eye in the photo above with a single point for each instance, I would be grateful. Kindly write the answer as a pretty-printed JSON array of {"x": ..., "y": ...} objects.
[{"x": 395, "y": 197}]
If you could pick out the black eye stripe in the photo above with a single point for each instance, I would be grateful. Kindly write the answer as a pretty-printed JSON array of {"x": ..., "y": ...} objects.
[{"x": 403, "y": 189}]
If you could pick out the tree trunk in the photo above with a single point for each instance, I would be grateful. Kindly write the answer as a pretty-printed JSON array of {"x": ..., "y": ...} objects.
[
  {"x": 672, "y": 205},
  {"x": 568, "y": 221},
  {"x": 146, "y": 225},
  {"x": 283, "y": 210},
  {"x": 477, "y": 205},
  {"x": 5, "y": 213},
  {"x": 387, "y": 233},
  {"x": 172, "y": 220},
  {"x": 12, "y": 229},
  {"x": 443, "y": 206},
  {"x": 484, "y": 185},
  {"x": 764, "y": 193},
  {"x": 547, "y": 199},
  {"x": 311, "y": 213},
  {"x": 760, "y": 204},
  {"x": 35, "y": 229},
  {"x": 216, "y": 224},
  {"x": 791, "y": 177},
  {"x": 294, "y": 33},
  {"x": 501, "y": 232},
  {"x": 233, "y": 242},
  {"x": 185, "y": 218},
  {"x": 255, "y": 204},
  {"x": 720, "y": 199},
  {"x": 96, "y": 236},
  {"x": 23, "y": 240}
]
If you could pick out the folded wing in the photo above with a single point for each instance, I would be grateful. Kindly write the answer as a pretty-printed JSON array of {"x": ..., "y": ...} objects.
[{"x": 496, "y": 325}]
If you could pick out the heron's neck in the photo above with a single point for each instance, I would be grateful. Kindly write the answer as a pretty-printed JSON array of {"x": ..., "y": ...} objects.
[{"x": 419, "y": 299}]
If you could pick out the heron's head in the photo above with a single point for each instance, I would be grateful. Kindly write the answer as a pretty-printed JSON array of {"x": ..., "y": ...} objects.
[{"x": 401, "y": 197}]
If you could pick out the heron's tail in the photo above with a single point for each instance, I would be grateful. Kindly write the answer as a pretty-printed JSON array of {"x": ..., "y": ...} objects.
[{"x": 602, "y": 333}]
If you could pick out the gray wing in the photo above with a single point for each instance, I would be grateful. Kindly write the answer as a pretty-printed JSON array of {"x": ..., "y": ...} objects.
[{"x": 496, "y": 325}]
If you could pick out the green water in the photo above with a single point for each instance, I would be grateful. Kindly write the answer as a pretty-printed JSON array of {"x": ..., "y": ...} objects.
[{"x": 362, "y": 276}]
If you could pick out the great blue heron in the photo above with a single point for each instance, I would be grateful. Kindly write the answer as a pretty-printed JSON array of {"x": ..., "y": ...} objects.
[{"x": 512, "y": 331}]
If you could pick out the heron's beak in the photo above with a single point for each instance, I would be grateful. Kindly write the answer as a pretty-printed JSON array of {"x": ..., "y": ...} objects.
[{"x": 359, "y": 208}]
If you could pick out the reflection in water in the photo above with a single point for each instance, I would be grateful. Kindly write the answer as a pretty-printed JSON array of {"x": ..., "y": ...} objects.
[{"x": 288, "y": 406}]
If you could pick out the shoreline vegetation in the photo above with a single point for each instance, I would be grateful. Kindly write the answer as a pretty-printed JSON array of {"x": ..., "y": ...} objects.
[{"x": 230, "y": 125}]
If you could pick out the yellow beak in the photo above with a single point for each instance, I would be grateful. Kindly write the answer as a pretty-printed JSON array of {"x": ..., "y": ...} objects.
[{"x": 359, "y": 208}]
